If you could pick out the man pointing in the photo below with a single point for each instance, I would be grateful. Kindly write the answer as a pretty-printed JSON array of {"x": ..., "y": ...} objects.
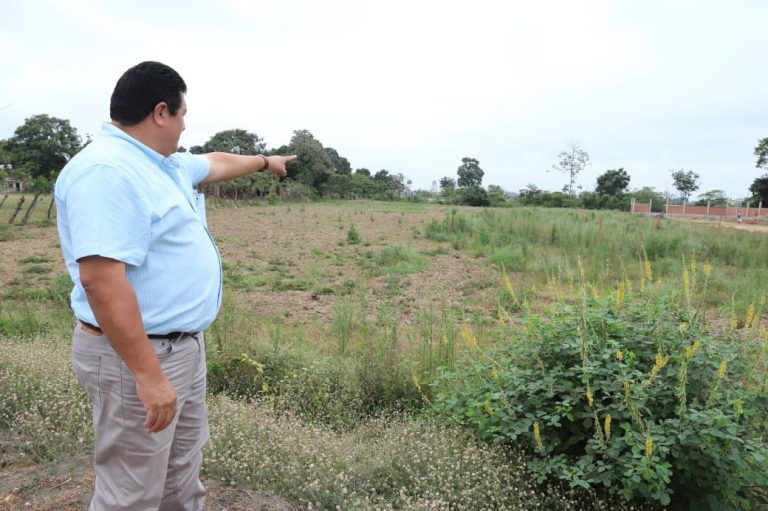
[{"x": 147, "y": 283}]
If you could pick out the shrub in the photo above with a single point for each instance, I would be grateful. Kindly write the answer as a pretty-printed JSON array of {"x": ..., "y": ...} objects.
[
  {"x": 633, "y": 397},
  {"x": 473, "y": 196},
  {"x": 353, "y": 236}
]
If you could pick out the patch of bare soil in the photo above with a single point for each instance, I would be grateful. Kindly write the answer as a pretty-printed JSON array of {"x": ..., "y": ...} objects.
[
  {"x": 26, "y": 243},
  {"x": 307, "y": 243},
  {"x": 68, "y": 486},
  {"x": 300, "y": 259},
  {"x": 748, "y": 225}
]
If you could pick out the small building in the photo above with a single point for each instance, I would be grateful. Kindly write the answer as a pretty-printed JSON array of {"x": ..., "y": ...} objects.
[{"x": 12, "y": 184}]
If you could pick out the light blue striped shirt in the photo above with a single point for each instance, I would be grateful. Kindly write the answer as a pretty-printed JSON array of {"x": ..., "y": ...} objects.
[{"x": 120, "y": 199}]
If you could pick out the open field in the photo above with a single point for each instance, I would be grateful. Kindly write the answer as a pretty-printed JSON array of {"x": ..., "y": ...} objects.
[{"x": 354, "y": 334}]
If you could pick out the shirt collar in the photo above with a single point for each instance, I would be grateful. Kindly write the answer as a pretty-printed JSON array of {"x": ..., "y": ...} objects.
[{"x": 110, "y": 130}]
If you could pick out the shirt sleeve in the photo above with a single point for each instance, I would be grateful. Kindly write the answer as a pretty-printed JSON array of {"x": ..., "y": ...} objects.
[
  {"x": 196, "y": 166},
  {"x": 108, "y": 216}
]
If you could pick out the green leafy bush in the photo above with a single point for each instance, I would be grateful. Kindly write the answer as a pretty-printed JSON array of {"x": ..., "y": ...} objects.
[
  {"x": 631, "y": 396},
  {"x": 353, "y": 236}
]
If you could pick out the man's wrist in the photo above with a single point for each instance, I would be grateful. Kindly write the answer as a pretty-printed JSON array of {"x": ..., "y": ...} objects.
[{"x": 265, "y": 160}]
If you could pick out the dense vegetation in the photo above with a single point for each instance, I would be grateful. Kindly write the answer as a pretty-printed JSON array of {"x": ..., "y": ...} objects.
[{"x": 42, "y": 145}]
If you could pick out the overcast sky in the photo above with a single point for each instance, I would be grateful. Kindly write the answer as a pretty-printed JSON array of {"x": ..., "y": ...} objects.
[{"x": 413, "y": 86}]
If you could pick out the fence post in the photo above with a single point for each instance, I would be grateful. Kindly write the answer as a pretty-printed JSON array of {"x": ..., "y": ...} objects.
[
  {"x": 650, "y": 206},
  {"x": 50, "y": 206},
  {"x": 632, "y": 205},
  {"x": 29, "y": 210},
  {"x": 759, "y": 208},
  {"x": 684, "y": 201},
  {"x": 666, "y": 208},
  {"x": 707, "y": 207},
  {"x": 16, "y": 212},
  {"x": 748, "y": 204}
]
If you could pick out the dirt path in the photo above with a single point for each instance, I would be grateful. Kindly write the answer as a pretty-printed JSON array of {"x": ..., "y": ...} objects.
[
  {"x": 745, "y": 226},
  {"x": 68, "y": 486}
]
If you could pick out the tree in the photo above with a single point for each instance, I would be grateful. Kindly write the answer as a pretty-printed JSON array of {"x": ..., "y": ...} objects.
[
  {"x": 392, "y": 182},
  {"x": 363, "y": 171},
  {"x": 612, "y": 182},
  {"x": 496, "y": 195},
  {"x": 761, "y": 151},
  {"x": 5, "y": 157},
  {"x": 42, "y": 146},
  {"x": 572, "y": 161},
  {"x": 313, "y": 165},
  {"x": 649, "y": 194},
  {"x": 340, "y": 164},
  {"x": 531, "y": 194},
  {"x": 713, "y": 198},
  {"x": 364, "y": 186},
  {"x": 759, "y": 188},
  {"x": 238, "y": 141},
  {"x": 685, "y": 181},
  {"x": 470, "y": 173},
  {"x": 338, "y": 186},
  {"x": 234, "y": 141},
  {"x": 473, "y": 196},
  {"x": 447, "y": 185}
]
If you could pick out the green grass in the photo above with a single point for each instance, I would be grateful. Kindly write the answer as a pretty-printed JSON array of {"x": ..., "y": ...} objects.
[
  {"x": 35, "y": 259},
  {"x": 38, "y": 216},
  {"x": 38, "y": 269},
  {"x": 611, "y": 247},
  {"x": 394, "y": 260}
]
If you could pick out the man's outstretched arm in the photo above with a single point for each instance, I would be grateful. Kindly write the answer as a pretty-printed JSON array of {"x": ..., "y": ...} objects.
[{"x": 226, "y": 166}]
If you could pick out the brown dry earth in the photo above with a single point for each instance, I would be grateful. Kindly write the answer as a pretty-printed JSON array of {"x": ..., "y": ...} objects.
[
  {"x": 304, "y": 242},
  {"x": 744, "y": 226},
  {"x": 68, "y": 486},
  {"x": 311, "y": 240}
]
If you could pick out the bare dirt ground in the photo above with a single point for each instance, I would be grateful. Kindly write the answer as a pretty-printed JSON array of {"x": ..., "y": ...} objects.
[
  {"x": 299, "y": 257},
  {"x": 748, "y": 225},
  {"x": 68, "y": 486},
  {"x": 308, "y": 243},
  {"x": 299, "y": 260}
]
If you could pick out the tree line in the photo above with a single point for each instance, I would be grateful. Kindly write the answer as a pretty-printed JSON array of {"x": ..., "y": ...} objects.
[{"x": 42, "y": 145}]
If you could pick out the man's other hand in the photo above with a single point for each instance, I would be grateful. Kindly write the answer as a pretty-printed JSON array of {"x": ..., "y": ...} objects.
[{"x": 159, "y": 400}]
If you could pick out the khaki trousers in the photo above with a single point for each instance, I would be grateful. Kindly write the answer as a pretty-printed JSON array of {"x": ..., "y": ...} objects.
[{"x": 136, "y": 470}]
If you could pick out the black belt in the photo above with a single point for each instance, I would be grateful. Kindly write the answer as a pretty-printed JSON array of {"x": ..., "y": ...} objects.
[{"x": 171, "y": 336}]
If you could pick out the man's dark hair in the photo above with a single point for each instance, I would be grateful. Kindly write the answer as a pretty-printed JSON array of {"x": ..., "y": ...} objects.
[{"x": 141, "y": 88}]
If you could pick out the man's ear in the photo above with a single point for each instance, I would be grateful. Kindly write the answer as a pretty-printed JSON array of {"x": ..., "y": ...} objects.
[{"x": 160, "y": 113}]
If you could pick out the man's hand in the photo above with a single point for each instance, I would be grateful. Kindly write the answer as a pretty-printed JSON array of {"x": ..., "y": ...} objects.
[
  {"x": 159, "y": 400},
  {"x": 277, "y": 164}
]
